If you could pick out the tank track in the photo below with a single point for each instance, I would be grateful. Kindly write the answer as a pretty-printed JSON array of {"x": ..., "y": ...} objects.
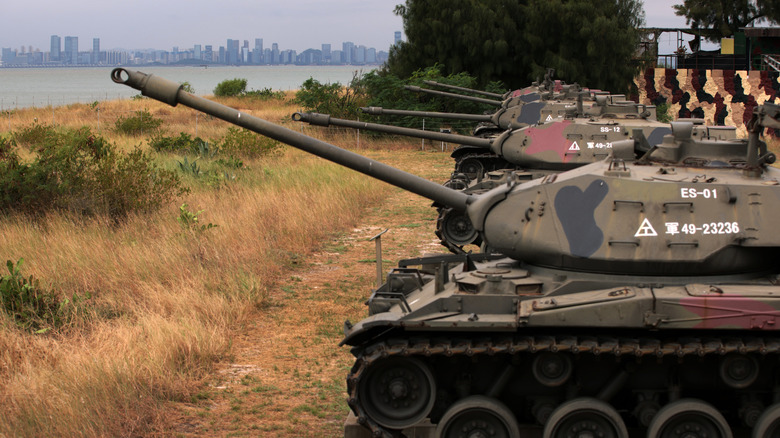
[
  {"x": 678, "y": 347},
  {"x": 490, "y": 162}
]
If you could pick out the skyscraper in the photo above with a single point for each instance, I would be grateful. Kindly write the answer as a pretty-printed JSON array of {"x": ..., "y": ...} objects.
[
  {"x": 232, "y": 52},
  {"x": 71, "y": 54},
  {"x": 347, "y": 49},
  {"x": 326, "y": 53},
  {"x": 96, "y": 50},
  {"x": 397, "y": 38},
  {"x": 56, "y": 49}
]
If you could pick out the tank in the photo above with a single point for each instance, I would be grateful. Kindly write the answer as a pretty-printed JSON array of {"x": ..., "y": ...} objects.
[
  {"x": 525, "y": 107},
  {"x": 530, "y": 152},
  {"x": 631, "y": 297},
  {"x": 560, "y": 144}
]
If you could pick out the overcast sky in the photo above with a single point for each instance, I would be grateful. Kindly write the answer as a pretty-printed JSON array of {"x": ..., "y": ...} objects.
[{"x": 163, "y": 24}]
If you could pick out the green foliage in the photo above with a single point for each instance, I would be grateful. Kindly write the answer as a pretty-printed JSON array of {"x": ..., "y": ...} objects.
[
  {"x": 723, "y": 18},
  {"x": 189, "y": 220},
  {"x": 142, "y": 122},
  {"x": 239, "y": 142},
  {"x": 387, "y": 91},
  {"x": 231, "y": 162},
  {"x": 230, "y": 87},
  {"x": 190, "y": 167},
  {"x": 662, "y": 113},
  {"x": 265, "y": 94},
  {"x": 31, "y": 307},
  {"x": 334, "y": 99},
  {"x": 34, "y": 134},
  {"x": 184, "y": 143},
  {"x": 186, "y": 86},
  {"x": 237, "y": 88},
  {"x": 586, "y": 41},
  {"x": 77, "y": 171}
]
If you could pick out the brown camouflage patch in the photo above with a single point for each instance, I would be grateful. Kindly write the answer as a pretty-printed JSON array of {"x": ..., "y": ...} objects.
[{"x": 720, "y": 97}]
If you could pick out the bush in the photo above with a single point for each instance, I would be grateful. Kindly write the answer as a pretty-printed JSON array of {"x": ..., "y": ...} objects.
[
  {"x": 245, "y": 143},
  {"x": 83, "y": 173},
  {"x": 265, "y": 94},
  {"x": 143, "y": 122},
  {"x": 333, "y": 99},
  {"x": 230, "y": 87},
  {"x": 184, "y": 143},
  {"x": 33, "y": 134}
]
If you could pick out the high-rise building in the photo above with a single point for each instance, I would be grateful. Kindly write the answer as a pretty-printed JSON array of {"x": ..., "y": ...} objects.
[
  {"x": 274, "y": 53},
  {"x": 56, "y": 48},
  {"x": 208, "y": 55},
  {"x": 233, "y": 52},
  {"x": 397, "y": 38},
  {"x": 326, "y": 53},
  {"x": 96, "y": 50},
  {"x": 196, "y": 52},
  {"x": 257, "y": 52},
  {"x": 347, "y": 48},
  {"x": 71, "y": 54}
]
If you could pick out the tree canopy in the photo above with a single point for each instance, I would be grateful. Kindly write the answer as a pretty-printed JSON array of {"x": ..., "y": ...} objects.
[
  {"x": 723, "y": 18},
  {"x": 587, "y": 41}
]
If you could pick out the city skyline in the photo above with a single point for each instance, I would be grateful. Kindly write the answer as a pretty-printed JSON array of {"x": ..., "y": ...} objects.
[
  {"x": 65, "y": 51},
  {"x": 163, "y": 25}
]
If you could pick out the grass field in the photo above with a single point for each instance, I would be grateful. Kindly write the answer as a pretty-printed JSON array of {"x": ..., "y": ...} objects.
[{"x": 161, "y": 301}]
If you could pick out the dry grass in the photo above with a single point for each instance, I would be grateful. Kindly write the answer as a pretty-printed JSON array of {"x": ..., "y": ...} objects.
[{"x": 165, "y": 300}]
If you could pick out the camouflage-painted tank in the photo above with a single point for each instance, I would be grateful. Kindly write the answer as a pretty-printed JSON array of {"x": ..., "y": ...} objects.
[
  {"x": 531, "y": 152},
  {"x": 632, "y": 297},
  {"x": 586, "y": 108},
  {"x": 523, "y": 107}
]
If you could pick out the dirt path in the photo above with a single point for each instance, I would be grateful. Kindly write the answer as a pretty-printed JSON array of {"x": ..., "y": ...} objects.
[{"x": 286, "y": 376}]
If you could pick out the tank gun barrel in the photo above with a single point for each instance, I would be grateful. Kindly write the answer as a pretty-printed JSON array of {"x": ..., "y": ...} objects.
[
  {"x": 379, "y": 111},
  {"x": 317, "y": 119},
  {"x": 171, "y": 93},
  {"x": 468, "y": 90},
  {"x": 454, "y": 95}
]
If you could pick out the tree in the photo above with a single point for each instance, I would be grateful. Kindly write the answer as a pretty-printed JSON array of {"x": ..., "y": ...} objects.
[
  {"x": 723, "y": 18},
  {"x": 474, "y": 36},
  {"x": 589, "y": 41}
]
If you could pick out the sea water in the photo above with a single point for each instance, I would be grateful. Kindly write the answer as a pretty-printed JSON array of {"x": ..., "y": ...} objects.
[{"x": 41, "y": 87}]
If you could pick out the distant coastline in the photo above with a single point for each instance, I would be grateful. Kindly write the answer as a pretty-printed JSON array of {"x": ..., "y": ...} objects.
[{"x": 44, "y": 86}]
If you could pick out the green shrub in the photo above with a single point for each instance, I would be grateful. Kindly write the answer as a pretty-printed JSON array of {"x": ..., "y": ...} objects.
[
  {"x": 662, "y": 113},
  {"x": 34, "y": 134},
  {"x": 333, "y": 99},
  {"x": 31, "y": 307},
  {"x": 184, "y": 143},
  {"x": 142, "y": 122},
  {"x": 230, "y": 87},
  {"x": 83, "y": 173},
  {"x": 239, "y": 142},
  {"x": 264, "y": 94}
]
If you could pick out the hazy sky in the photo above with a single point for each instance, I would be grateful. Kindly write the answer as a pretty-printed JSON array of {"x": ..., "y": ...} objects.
[{"x": 163, "y": 24}]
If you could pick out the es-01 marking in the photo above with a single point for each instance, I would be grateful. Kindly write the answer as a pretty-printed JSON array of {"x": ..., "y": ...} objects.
[{"x": 692, "y": 193}]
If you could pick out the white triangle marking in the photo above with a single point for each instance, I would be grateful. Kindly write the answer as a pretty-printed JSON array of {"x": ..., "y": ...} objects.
[
  {"x": 645, "y": 230},
  {"x": 574, "y": 147}
]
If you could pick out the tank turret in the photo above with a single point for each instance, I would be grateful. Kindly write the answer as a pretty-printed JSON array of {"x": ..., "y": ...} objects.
[
  {"x": 637, "y": 296},
  {"x": 557, "y": 145}
]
